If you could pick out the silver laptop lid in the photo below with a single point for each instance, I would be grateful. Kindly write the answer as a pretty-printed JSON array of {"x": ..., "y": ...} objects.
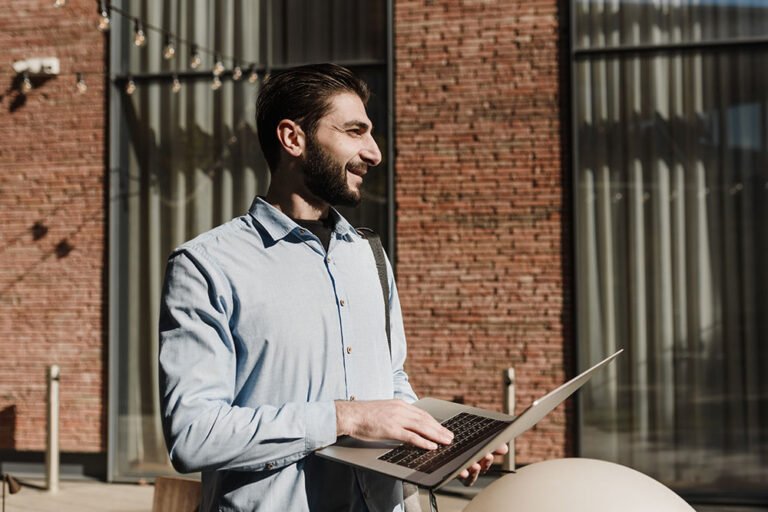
[
  {"x": 544, "y": 405},
  {"x": 532, "y": 415}
]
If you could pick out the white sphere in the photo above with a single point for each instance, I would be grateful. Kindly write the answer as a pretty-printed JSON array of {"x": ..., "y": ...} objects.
[{"x": 577, "y": 485}]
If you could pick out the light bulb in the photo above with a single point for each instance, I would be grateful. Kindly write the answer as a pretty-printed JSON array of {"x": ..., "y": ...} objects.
[
  {"x": 253, "y": 76},
  {"x": 218, "y": 66},
  {"x": 216, "y": 84},
  {"x": 104, "y": 21},
  {"x": 81, "y": 85},
  {"x": 176, "y": 86},
  {"x": 130, "y": 87},
  {"x": 194, "y": 59},
  {"x": 237, "y": 73},
  {"x": 26, "y": 83},
  {"x": 169, "y": 50},
  {"x": 139, "y": 37}
]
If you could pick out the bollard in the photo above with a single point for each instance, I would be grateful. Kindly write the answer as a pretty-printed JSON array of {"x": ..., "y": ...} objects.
[
  {"x": 52, "y": 427},
  {"x": 508, "y": 376}
]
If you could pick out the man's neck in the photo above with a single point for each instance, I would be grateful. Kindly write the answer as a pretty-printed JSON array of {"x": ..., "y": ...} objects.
[{"x": 295, "y": 202}]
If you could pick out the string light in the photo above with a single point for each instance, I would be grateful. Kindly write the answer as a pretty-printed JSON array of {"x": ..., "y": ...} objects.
[
  {"x": 26, "y": 83},
  {"x": 218, "y": 66},
  {"x": 195, "y": 60},
  {"x": 104, "y": 16},
  {"x": 139, "y": 37},
  {"x": 237, "y": 72},
  {"x": 80, "y": 84},
  {"x": 176, "y": 86},
  {"x": 169, "y": 50}
]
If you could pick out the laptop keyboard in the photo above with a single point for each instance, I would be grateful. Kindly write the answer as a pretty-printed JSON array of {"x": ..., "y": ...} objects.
[{"x": 468, "y": 431}]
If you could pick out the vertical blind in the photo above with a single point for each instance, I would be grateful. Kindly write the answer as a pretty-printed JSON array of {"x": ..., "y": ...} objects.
[
  {"x": 189, "y": 161},
  {"x": 671, "y": 201}
]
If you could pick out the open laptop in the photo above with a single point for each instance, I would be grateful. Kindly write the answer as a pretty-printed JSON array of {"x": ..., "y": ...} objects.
[{"x": 476, "y": 432}]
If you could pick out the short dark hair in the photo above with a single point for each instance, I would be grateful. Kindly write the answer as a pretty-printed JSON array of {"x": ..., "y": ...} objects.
[{"x": 303, "y": 95}]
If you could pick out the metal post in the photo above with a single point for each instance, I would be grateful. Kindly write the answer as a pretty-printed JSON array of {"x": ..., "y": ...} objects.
[
  {"x": 52, "y": 438},
  {"x": 509, "y": 407}
]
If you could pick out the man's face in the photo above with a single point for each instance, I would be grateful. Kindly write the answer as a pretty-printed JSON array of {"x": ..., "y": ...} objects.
[{"x": 340, "y": 152}]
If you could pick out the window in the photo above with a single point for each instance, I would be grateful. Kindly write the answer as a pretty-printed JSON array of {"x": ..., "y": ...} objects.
[
  {"x": 671, "y": 115},
  {"x": 183, "y": 162}
]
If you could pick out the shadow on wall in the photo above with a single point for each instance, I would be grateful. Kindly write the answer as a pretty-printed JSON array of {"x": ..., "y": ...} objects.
[
  {"x": 8, "y": 428},
  {"x": 17, "y": 98}
]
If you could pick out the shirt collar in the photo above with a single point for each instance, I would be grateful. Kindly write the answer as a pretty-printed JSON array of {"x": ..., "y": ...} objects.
[{"x": 278, "y": 225}]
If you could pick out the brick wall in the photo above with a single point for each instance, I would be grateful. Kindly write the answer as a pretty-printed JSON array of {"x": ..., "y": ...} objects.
[
  {"x": 52, "y": 241},
  {"x": 480, "y": 211}
]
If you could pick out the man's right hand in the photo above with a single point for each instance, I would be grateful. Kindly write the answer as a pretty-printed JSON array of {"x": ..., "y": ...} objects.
[{"x": 390, "y": 419}]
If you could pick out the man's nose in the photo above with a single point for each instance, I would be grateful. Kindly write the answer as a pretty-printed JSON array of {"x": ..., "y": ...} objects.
[{"x": 371, "y": 154}]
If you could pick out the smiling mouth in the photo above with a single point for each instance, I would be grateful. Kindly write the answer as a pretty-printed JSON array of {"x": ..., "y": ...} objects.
[{"x": 360, "y": 170}]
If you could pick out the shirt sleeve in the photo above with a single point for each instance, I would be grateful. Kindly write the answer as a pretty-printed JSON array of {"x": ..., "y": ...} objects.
[
  {"x": 402, "y": 388},
  {"x": 197, "y": 366}
]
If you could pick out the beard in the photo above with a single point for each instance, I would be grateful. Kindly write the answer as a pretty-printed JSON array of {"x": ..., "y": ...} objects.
[{"x": 327, "y": 179}]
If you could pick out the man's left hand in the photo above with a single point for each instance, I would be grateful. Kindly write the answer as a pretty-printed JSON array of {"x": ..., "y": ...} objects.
[{"x": 469, "y": 476}]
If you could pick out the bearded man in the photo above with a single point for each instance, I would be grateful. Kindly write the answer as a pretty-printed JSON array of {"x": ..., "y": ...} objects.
[{"x": 272, "y": 329}]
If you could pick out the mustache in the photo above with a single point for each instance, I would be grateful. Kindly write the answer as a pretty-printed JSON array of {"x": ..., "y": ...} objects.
[{"x": 357, "y": 168}]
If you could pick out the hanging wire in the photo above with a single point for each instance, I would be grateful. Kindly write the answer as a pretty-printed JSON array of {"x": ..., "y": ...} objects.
[
  {"x": 195, "y": 47},
  {"x": 170, "y": 49}
]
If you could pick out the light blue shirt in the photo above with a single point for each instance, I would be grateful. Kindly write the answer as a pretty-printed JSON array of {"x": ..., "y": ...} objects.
[{"x": 261, "y": 331}]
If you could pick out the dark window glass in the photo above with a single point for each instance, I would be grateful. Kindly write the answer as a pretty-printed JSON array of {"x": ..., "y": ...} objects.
[{"x": 671, "y": 193}]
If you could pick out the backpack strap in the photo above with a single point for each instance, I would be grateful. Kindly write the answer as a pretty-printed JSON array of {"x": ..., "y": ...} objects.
[
  {"x": 374, "y": 241},
  {"x": 410, "y": 491}
]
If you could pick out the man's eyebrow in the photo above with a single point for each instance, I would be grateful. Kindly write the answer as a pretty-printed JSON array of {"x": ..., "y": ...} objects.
[{"x": 357, "y": 124}]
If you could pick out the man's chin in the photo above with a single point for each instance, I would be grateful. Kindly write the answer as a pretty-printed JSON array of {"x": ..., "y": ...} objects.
[
  {"x": 351, "y": 197},
  {"x": 349, "y": 200}
]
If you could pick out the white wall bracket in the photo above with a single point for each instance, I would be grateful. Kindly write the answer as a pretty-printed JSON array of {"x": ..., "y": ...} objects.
[{"x": 45, "y": 66}]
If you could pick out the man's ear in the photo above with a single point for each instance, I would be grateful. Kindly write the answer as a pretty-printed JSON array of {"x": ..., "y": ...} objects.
[{"x": 291, "y": 137}]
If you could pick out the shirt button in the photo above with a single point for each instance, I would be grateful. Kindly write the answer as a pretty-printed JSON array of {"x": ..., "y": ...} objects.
[
  {"x": 349, "y": 350},
  {"x": 302, "y": 231},
  {"x": 327, "y": 259},
  {"x": 269, "y": 466},
  {"x": 341, "y": 302}
]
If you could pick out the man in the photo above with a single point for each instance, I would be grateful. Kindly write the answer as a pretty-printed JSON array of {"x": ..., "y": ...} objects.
[{"x": 272, "y": 333}]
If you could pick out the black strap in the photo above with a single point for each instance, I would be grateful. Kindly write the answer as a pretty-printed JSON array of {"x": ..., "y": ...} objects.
[
  {"x": 381, "y": 266},
  {"x": 432, "y": 501}
]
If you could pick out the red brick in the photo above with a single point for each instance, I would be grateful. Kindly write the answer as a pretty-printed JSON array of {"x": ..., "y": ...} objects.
[
  {"x": 479, "y": 203},
  {"x": 52, "y": 172}
]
